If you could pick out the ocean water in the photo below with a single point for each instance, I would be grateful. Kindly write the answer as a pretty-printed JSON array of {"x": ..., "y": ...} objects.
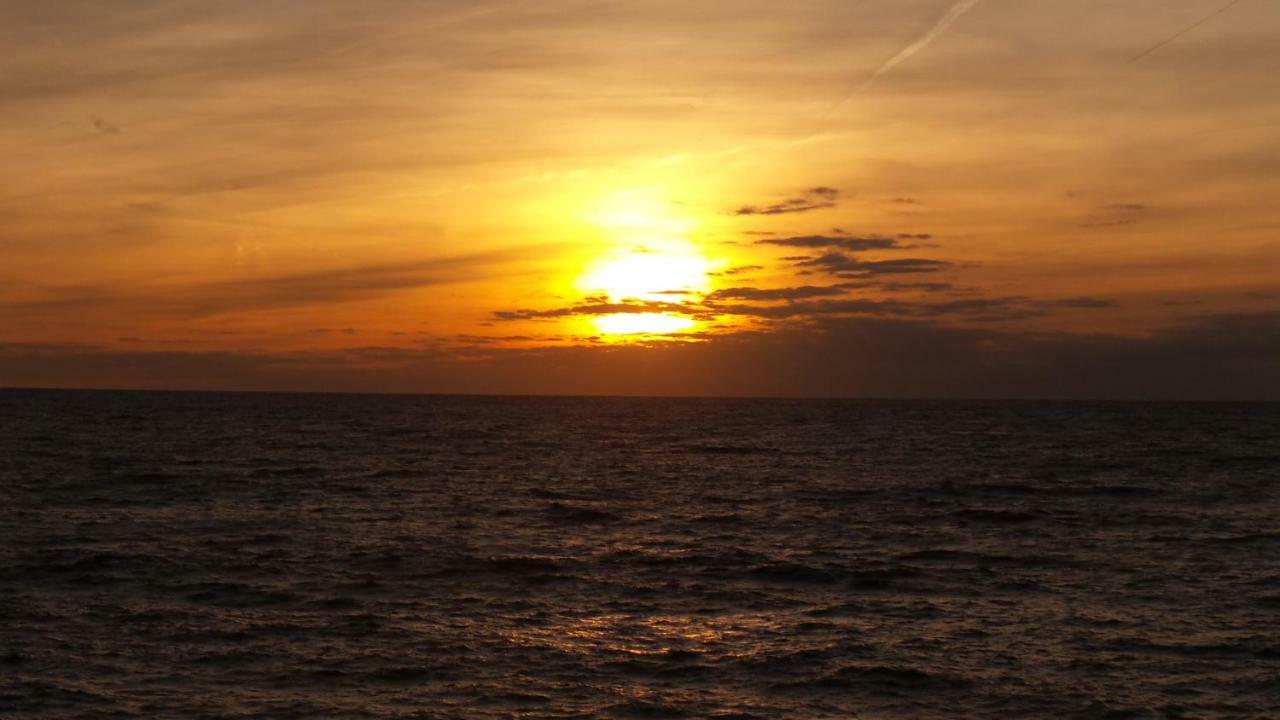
[{"x": 198, "y": 555}]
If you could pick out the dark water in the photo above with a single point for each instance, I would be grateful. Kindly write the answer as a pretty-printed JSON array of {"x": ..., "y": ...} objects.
[{"x": 218, "y": 555}]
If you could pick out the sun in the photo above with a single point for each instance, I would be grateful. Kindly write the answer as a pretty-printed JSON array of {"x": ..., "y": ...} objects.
[
  {"x": 642, "y": 324},
  {"x": 648, "y": 277},
  {"x": 654, "y": 276},
  {"x": 652, "y": 262}
]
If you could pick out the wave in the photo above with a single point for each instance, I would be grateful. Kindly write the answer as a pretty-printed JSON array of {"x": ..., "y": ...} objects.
[
  {"x": 880, "y": 679},
  {"x": 579, "y": 514}
]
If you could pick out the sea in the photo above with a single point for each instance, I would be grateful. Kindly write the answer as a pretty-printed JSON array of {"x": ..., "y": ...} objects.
[{"x": 222, "y": 555}]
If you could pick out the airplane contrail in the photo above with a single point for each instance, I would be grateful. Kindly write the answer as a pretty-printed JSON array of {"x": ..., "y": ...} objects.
[
  {"x": 1184, "y": 31},
  {"x": 905, "y": 53},
  {"x": 921, "y": 43}
]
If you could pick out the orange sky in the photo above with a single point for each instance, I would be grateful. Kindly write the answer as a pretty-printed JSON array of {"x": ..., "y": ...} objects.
[{"x": 639, "y": 197}]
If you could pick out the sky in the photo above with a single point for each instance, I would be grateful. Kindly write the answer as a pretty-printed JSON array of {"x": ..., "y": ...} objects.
[{"x": 886, "y": 198}]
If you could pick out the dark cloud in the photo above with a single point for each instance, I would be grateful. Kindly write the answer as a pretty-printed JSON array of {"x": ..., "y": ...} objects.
[
  {"x": 808, "y": 302},
  {"x": 499, "y": 339},
  {"x": 1216, "y": 357},
  {"x": 847, "y": 266},
  {"x": 598, "y": 308},
  {"x": 849, "y": 306},
  {"x": 917, "y": 287},
  {"x": 793, "y": 205},
  {"x": 990, "y": 309},
  {"x": 849, "y": 243},
  {"x": 816, "y": 198},
  {"x": 739, "y": 270},
  {"x": 273, "y": 292},
  {"x": 791, "y": 293},
  {"x": 842, "y": 242},
  {"x": 1082, "y": 302}
]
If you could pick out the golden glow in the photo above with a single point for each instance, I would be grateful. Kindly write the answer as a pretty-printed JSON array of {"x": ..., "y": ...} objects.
[
  {"x": 646, "y": 276},
  {"x": 654, "y": 259},
  {"x": 557, "y": 157},
  {"x": 643, "y": 212},
  {"x": 642, "y": 324},
  {"x": 653, "y": 262}
]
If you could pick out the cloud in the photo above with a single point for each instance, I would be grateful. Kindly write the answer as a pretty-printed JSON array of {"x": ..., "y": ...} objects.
[
  {"x": 993, "y": 309},
  {"x": 738, "y": 270},
  {"x": 273, "y": 292},
  {"x": 790, "y": 293},
  {"x": 849, "y": 243},
  {"x": 332, "y": 331},
  {"x": 816, "y": 198},
  {"x": 1083, "y": 302},
  {"x": 847, "y": 266},
  {"x": 852, "y": 244},
  {"x": 598, "y": 308},
  {"x": 807, "y": 302},
  {"x": 916, "y": 287},
  {"x": 500, "y": 339},
  {"x": 1211, "y": 357}
]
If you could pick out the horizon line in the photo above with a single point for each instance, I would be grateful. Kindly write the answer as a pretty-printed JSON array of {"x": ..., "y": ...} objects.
[{"x": 607, "y": 396}]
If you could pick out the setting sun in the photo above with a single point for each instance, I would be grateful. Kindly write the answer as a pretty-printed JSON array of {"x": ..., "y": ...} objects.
[
  {"x": 642, "y": 324},
  {"x": 653, "y": 262},
  {"x": 653, "y": 277},
  {"x": 646, "y": 276}
]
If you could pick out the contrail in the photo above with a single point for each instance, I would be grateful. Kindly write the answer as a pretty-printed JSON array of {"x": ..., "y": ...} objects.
[
  {"x": 903, "y": 55},
  {"x": 924, "y": 41},
  {"x": 1184, "y": 31}
]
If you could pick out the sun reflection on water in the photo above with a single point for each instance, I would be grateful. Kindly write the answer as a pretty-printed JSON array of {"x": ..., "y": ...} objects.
[{"x": 648, "y": 636}]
